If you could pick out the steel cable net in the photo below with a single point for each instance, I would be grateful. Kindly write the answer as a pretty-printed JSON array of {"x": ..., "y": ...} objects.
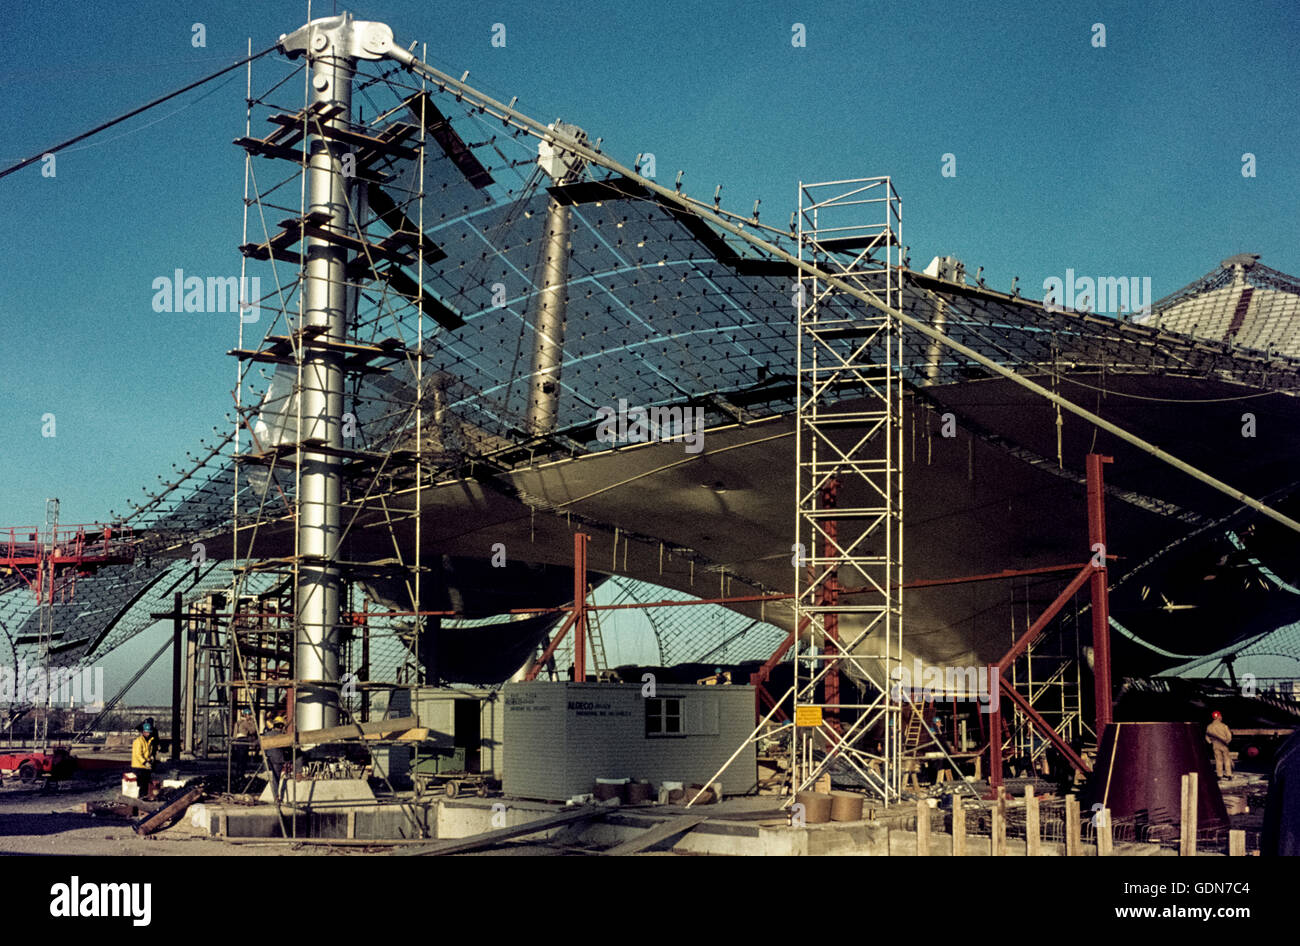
[
  {"x": 663, "y": 309},
  {"x": 108, "y": 608},
  {"x": 705, "y": 633}
]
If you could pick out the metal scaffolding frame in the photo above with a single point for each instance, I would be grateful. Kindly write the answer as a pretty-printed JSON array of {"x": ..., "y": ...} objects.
[
  {"x": 361, "y": 204},
  {"x": 849, "y": 485},
  {"x": 1052, "y": 680}
]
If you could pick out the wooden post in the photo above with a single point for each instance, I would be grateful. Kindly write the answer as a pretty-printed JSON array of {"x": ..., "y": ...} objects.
[
  {"x": 1105, "y": 841},
  {"x": 178, "y": 657},
  {"x": 999, "y": 842},
  {"x": 1236, "y": 843},
  {"x": 1071, "y": 825},
  {"x": 1187, "y": 840},
  {"x": 959, "y": 827},
  {"x": 1033, "y": 834},
  {"x": 922, "y": 828}
]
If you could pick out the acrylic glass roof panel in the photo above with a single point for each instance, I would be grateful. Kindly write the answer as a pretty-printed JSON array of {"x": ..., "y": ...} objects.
[
  {"x": 662, "y": 308},
  {"x": 91, "y": 620}
]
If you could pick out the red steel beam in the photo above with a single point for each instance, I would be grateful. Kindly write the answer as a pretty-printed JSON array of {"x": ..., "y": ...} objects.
[
  {"x": 1043, "y": 727},
  {"x": 1086, "y": 574},
  {"x": 735, "y": 599},
  {"x": 760, "y": 677},
  {"x": 580, "y": 606},
  {"x": 577, "y": 616},
  {"x": 550, "y": 648},
  {"x": 1103, "y": 692},
  {"x": 991, "y": 576},
  {"x": 995, "y": 739}
]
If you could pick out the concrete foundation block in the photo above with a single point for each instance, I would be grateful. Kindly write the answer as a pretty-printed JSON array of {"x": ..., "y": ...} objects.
[{"x": 314, "y": 791}]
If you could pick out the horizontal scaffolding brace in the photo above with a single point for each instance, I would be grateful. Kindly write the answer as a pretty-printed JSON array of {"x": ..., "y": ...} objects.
[{"x": 280, "y": 350}]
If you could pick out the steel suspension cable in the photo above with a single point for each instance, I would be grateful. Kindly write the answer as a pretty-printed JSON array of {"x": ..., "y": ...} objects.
[{"x": 131, "y": 114}]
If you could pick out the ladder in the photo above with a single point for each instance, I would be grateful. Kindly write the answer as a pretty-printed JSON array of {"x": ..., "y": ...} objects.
[
  {"x": 594, "y": 639},
  {"x": 915, "y": 730}
]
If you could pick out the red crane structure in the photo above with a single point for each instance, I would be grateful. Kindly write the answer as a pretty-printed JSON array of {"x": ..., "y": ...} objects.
[{"x": 49, "y": 561}]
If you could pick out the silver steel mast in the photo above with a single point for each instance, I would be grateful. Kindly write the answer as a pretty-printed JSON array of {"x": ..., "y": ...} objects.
[
  {"x": 332, "y": 46},
  {"x": 562, "y": 167}
]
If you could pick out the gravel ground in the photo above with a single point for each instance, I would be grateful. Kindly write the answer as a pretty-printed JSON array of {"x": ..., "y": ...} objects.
[{"x": 54, "y": 822}]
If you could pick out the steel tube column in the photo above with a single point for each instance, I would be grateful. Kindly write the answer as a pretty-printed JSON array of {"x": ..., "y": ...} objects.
[
  {"x": 548, "y": 341},
  {"x": 325, "y": 301},
  {"x": 332, "y": 46}
]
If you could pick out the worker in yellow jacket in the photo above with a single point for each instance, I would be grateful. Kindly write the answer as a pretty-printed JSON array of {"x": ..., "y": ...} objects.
[
  {"x": 1218, "y": 735},
  {"x": 144, "y": 754}
]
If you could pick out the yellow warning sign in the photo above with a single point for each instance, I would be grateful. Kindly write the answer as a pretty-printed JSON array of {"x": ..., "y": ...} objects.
[{"x": 807, "y": 715}]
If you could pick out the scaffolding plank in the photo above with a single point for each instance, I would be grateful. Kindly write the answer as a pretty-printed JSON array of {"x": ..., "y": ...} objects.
[
  {"x": 489, "y": 838},
  {"x": 384, "y": 249},
  {"x": 375, "y": 729},
  {"x": 170, "y": 813},
  {"x": 316, "y": 111},
  {"x": 657, "y": 835},
  {"x": 390, "y": 144},
  {"x": 358, "y": 355},
  {"x": 291, "y": 231}
]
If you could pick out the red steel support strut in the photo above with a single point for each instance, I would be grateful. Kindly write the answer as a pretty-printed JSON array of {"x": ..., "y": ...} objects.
[
  {"x": 580, "y": 606},
  {"x": 1100, "y": 593},
  {"x": 577, "y": 618}
]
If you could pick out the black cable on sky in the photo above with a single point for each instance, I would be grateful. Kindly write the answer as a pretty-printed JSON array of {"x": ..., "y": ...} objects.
[{"x": 121, "y": 118}]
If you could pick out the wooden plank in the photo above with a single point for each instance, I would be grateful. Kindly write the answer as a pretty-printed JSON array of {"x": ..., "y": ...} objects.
[
  {"x": 1190, "y": 796},
  {"x": 922, "y": 828},
  {"x": 1071, "y": 825},
  {"x": 999, "y": 839},
  {"x": 1105, "y": 842},
  {"x": 489, "y": 838},
  {"x": 376, "y": 729},
  {"x": 659, "y": 833},
  {"x": 1033, "y": 833},
  {"x": 170, "y": 813},
  {"x": 141, "y": 805},
  {"x": 1236, "y": 843}
]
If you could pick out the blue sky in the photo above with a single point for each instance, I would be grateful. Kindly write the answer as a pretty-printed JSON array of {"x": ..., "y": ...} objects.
[{"x": 1123, "y": 160}]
